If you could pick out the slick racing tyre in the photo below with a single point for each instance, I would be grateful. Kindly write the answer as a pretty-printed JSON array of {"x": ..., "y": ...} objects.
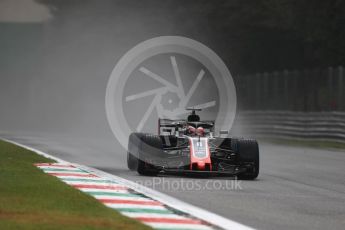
[
  {"x": 132, "y": 162},
  {"x": 132, "y": 150},
  {"x": 150, "y": 147},
  {"x": 248, "y": 151}
]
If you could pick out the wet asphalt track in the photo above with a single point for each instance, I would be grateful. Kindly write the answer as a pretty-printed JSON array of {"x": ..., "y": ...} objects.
[{"x": 298, "y": 188}]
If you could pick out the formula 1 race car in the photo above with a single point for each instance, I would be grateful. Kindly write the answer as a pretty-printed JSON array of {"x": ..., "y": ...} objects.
[{"x": 189, "y": 147}]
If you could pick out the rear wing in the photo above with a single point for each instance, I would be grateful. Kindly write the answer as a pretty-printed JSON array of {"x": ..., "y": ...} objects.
[{"x": 168, "y": 126}]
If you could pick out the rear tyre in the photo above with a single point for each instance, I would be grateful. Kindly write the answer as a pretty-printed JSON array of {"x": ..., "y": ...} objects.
[
  {"x": 150, "y": 147},
  {"x": 248, "y": 151}
]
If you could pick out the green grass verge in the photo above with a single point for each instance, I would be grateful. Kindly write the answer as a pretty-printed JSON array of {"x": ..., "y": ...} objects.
[
  {"x": 314, "y": 144},
  {"x": 31, "y": 199}
]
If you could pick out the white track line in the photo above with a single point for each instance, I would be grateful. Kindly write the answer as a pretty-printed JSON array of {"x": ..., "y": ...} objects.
[
  {"x": 174, "y": 203},
  {"x": 163, "y": 198}
]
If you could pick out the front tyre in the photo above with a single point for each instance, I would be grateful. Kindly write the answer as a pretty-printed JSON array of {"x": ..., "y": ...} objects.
[
  {"x": 150, "y": 146},
  {"x": 248, "y": 151},
  {"x": 132, "y": 162},
  {"x": 133, "y": 150}
]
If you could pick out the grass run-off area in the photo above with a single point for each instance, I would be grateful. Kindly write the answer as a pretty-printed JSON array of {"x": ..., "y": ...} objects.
[{"x": 31, "y": 199}]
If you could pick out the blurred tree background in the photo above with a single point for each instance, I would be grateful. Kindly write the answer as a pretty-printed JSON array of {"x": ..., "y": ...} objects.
[
  {"x": 251, "y": 36},
  {"x": 267, "y": 35}
]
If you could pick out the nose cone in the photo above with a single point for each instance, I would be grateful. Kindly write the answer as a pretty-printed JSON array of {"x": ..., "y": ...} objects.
[{"x": 201, "y": 165}]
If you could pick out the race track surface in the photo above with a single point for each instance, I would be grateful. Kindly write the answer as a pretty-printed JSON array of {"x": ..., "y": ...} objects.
[{"x": 298, "y": 187}]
